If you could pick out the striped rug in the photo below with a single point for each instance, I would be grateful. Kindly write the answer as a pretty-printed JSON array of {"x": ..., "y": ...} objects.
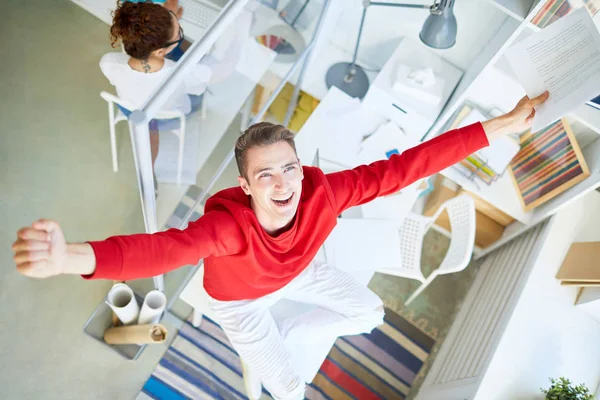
[
  {"x": 380, "y": 365},
  {"x": 200, "y": 364}
]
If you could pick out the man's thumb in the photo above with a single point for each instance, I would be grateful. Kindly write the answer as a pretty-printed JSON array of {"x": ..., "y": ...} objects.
[
  {"x": 46, "y": 225},
  {"x": 540, "y": 99}
]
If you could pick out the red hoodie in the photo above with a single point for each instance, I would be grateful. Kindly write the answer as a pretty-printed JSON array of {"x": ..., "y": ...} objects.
[{"x": 241, "y": 260}]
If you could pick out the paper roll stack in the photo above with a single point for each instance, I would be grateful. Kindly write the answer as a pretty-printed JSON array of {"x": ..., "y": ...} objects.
[
  {"x": 153, "y": 307},
  {"x": 136, "y": 334}
]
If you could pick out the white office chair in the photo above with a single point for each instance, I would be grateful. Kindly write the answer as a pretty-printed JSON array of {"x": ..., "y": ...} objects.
[
  {"x": 116, "y": 117},
  {"x": 461, "y": 212}
]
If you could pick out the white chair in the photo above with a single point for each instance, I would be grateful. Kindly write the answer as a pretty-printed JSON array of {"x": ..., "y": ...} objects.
[
  {"x": 115, "y": 117},
  {"x": 461, "y": 212}
]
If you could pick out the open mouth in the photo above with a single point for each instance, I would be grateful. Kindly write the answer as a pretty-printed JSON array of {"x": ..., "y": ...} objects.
[{"x": 283, "y": 202}]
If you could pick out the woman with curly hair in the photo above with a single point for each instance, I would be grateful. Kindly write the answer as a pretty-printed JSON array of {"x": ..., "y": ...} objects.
[{"x": 149, "y": 33}]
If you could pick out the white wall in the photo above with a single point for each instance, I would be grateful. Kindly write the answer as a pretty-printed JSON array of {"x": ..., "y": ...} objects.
[
  {"x": 547, "y": 336},
  {"x": 384, "y": 26}
]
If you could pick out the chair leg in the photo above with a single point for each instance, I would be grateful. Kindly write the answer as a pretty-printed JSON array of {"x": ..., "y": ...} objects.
[
  {"x": 197, "y": 317},
  {"x": 203, "y": 107},
  {"x": 417, "y": 292},
  {"x": 113, "y": 138},
  {"x": 181, "y": 143}
]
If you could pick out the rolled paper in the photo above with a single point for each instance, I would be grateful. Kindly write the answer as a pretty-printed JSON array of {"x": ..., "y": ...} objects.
[
  {"x": 123, "y": 302},
  {"x": 115, "y": 319},
  {"x": 136, "y": 334},
  {"x": 153, "y": 307}
]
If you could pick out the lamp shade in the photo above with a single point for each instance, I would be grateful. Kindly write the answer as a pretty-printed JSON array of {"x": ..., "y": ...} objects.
[{"x": 439, "y": 29}]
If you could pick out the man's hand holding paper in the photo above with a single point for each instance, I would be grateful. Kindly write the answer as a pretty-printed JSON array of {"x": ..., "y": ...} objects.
[{"x": 564, "y": 59}]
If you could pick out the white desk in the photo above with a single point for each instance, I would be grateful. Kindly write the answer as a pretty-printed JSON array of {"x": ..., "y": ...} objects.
[
  {"x": 102, "y": 9},
  {"x": 411, "y": 113}
]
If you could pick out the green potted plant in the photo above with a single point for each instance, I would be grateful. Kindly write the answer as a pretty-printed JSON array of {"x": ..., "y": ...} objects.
[{"x": 562, "y": 389}]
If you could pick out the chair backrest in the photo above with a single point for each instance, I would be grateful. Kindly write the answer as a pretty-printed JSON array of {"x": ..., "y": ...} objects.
[
  {"x": 461, "y": 212},
  {"x": 111, "y": 98},
  {"x": 411, "y": 235}
]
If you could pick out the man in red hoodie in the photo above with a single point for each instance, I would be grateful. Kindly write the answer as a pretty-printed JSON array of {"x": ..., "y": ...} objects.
[{"x": 258, "y": 242}]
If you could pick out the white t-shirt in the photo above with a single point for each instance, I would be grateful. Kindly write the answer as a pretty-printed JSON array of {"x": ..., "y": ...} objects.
[{"x": 135, "y": 87}]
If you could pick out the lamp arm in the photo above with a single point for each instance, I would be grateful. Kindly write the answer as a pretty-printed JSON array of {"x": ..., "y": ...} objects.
[
  {"x": 381, "y": 3},
  {"x": 300, "y": 13},
  {"x": 360, "y": 29},
  {"x": 366, "y": 3}
]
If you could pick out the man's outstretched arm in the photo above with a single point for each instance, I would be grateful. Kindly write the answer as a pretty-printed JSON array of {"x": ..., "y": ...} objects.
[
  {"x": 41, "y": 250},
  {"x": 367, "y": 182}
]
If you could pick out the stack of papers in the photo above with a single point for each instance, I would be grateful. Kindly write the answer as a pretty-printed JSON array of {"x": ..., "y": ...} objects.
[
  {"x": 346, "y": 128},
  {"x": 387, "y": 140}
]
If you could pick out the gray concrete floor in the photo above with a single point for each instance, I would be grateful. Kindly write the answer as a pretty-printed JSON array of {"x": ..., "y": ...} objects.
[{"x": 55, "y": 162}]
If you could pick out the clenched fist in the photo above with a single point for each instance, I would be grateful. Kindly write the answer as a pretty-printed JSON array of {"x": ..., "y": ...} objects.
[{"x": 40, "y": 250}]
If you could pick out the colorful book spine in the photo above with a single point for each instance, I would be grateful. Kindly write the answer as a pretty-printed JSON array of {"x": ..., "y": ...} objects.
[{"x": 551, "y": 11}]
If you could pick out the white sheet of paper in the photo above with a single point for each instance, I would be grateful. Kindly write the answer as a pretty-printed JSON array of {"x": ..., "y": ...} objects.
[
  {"x": 388, "y": 137},
  {"x": 500, "y": 153},
  {"x": 340, "y": 141},
  {"x": 474, "y": 116},
  {"x": 393, "y": 208},
  {"x": 564, "y": 59},
  {"x": 343, "y": 109},
  {"x": 364, "y": 244}
]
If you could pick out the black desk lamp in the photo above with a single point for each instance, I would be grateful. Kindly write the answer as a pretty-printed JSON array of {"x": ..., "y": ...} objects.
[{"x": 438, "y": 32}]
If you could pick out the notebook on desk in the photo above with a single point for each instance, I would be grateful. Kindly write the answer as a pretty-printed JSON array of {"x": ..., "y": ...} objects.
[{"x": 595, "y": 102}]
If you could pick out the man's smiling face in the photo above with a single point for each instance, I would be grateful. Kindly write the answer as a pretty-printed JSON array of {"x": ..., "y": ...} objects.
[{"x": 274, "y": 181}]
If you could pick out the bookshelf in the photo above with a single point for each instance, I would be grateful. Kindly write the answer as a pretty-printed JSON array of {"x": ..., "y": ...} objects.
[
  {"x": 490, "y": 83},
  {"x": 517, "y": 9}
]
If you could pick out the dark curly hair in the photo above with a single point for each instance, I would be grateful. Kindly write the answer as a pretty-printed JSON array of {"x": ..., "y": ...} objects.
[{"x": 142, "y": 27}]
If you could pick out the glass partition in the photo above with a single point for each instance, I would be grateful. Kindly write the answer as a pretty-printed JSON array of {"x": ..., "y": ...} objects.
[{"x": 274, "y": 51}]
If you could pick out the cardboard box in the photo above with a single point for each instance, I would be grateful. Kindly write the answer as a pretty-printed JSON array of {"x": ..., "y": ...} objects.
[
  {"x": 487, "y": 230},
  {"x": 489, "y": 210},
  {"x": 444, "y": 190}
]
